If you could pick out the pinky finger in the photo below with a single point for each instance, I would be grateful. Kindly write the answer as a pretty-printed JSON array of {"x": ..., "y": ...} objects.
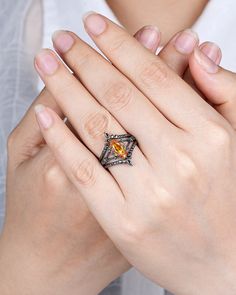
[{"x": 96, "y": 185}]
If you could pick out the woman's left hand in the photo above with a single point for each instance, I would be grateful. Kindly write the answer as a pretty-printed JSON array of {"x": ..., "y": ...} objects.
[{"x": 172, "y": 214}]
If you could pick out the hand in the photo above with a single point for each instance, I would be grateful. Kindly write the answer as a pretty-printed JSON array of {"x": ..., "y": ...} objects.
[
  {"x": 51, "y": 244},
  {"x": 61, "y": 227},
  {"x": 211, "y": 82},
  {"x": 170, "y": 212},
  {"x": 28, "y": 156},
  {"x": 177, "y": 54}
]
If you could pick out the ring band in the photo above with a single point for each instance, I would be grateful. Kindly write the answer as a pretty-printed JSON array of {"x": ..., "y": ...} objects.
[{"x": 117, "y": 150}]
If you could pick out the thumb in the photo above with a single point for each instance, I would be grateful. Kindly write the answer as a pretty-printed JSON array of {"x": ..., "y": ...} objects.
[{"x": 216, "y": 83}]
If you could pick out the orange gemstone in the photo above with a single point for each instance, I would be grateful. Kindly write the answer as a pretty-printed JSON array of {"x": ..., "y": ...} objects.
[{"x": 118, "y": 148}]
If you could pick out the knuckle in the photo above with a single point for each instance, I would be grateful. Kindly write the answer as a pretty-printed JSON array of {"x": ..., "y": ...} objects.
[
  {"x": 85, "y": 173},
  {"x": 185, "y": 166},
  {"x": 130, "y": 232},
  {"x": 51, "y": 173},
  {"x": 64, "y": 87},
  {"x": 96, "y": 124},
  {"x": 59, "y": 146},
  {"x": 53, "y": 177},
  {"x": 164, "y": 200},
  {"x": 118, "y": 96},
  {"x": 155, "y": 72},
  {"x": 83, "y": 60},
  {"x": 119, "y": 44},
  {"x": 219, "y": 135}
]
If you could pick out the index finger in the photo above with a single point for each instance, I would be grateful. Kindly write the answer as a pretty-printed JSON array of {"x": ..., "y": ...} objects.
[{"x": 26, "y": 138}]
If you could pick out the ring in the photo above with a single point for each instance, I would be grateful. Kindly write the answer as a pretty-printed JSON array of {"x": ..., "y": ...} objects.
[{"x": 117, "y": 150}]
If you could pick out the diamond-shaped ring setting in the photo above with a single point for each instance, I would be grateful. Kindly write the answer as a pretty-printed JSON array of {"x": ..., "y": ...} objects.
[{"x": 118, "y": 149}]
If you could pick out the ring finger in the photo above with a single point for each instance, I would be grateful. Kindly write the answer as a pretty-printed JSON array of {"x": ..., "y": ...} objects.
[
  {"x": 114, "y": 91},
  {"x": 88, "y": 117}
]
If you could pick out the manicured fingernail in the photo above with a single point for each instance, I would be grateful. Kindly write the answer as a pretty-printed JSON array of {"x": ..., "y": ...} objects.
[
  {"x": 186, "y": 41},
  {"x": 205, "y": 62},
  {"x": 43, "y": 116},
  {"x": 149, "y": 36},
  {"x": 63, "y": 41},
  {"x": 94, "y": 23},
  {"x": 46, "y": 62},
  {"x": 212, "y": 51}
]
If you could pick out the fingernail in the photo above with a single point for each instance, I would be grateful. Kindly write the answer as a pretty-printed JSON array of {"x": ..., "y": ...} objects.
[
  {"x": 43, "y": 116},
  {"x": 46, "y": 63},
  {"x": 149, "y": 37},
  {"x": 94, "y": 23},
  {"x": 63, "y": 41},
  {"x": 186, "y": 41},
  {"x": 205, "y": 62},
  {"x": 212, "y": 51}
]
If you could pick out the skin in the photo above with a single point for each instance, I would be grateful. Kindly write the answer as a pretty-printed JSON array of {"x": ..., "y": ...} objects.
[
  {"x": 32, "y": 256},
  {"x": 28, "y": 157},
  {"x": 50, "y": 241},
  {"x": 173, "y": 217},
  {"x": 170, "y": 16}
]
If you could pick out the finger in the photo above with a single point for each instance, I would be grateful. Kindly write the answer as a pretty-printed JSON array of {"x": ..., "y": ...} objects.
[
  {"x": 149, "y": 37},
  {"x": 177, "y": 51},
  {"x": 169, "y": 93},
  {"x": 27, "y": 137},
  {"x": 88, "y": 117},
  {"x": 210, "y": 49},
  {"x": 217, "y": 84},
  {"x": 113, "y": 90},
  {"x": 82, "y": 167}
]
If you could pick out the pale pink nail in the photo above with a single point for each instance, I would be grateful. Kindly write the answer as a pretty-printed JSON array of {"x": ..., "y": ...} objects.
[
  {"x": 212, "y": 51},
  {"x": 63, "y": 41},
  {"x": 149, "y": 37},
  {"x": 186, "y": 41},
  {"x": 46, "y": 62},
  {"x": 94, "y": 23},
  {"x": 43, "y": 116},
  {"x": 205, "y": 62}
]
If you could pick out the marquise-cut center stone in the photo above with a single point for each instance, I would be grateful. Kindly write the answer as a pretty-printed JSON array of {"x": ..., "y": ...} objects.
[{"x": 118, "y": 149}]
